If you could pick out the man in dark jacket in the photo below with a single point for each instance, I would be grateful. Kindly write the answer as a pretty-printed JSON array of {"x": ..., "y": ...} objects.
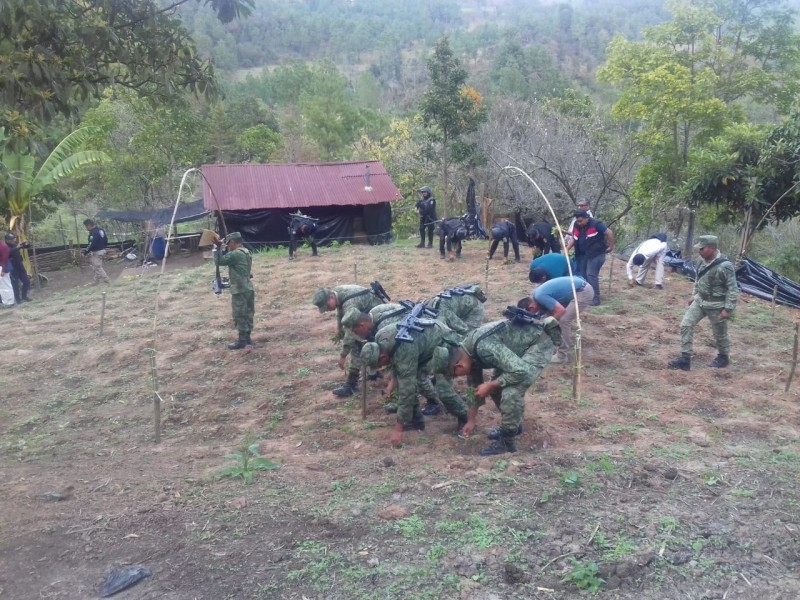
[
  {"x": 426, "y": 209},
  {"x": 453, "y": 231},
  {"x": 19, "y": 276},
  {"x": 302, "y": 227},
  {"x": 504, "y": 230},
  {"x": 592, "y": 240},
  {"x": 96, "y": 250},
  {"x": 541, "y": 238}
]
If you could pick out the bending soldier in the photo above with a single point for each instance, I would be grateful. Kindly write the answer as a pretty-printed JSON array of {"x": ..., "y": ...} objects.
[
  {"x": 302, "y": 227},
  {"x": 504, "y": 230},
  {"x": 451, "y": 231},
  {"x": 340, "y": 299},
  {"x": 460, "y": 308},
  {"x": 541, "y": 238}
]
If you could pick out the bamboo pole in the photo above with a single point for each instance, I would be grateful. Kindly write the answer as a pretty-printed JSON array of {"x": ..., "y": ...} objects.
[
  {"x": 774, "y": 299},
  {"x": 156, "y": 396},
  {"x": 611, "y": 273},
  {"x": 486, "y": 276},
  {"x": 794, "y": 357},
  {"x": 355, "y": 272},
  {"x": 576, "y": 382}
]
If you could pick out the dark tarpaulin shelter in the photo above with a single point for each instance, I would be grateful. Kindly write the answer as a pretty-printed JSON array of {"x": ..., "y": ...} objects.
[
  {"x": 258, "y": 200},
  {"x": 192, "y": 211}
]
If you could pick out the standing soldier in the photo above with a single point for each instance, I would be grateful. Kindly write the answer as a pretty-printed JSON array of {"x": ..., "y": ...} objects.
[
  {"x": 426, "y": 209},
  {"x": 340, "y": 299},
  {"x": 504, "y": 230},
  {"x": 409, "y": 350},
  {"x": 240, "y": 263},
  {"x": 714, "y": 296},
  {"x": 302, "y": 227},
  {"x": 517, "y": 349},
  {"x": 96, "y": 250}
]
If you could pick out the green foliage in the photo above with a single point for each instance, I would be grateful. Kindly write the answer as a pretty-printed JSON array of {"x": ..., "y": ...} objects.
[
  {"x": 247, "y": 462},
  {"x": 584, "y": 576},
  {"x": 56, "y": 53},
  {"x": 411, "y": 527}
]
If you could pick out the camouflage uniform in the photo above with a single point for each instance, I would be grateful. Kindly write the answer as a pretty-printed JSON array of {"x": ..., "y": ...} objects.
[
  {"x": 714, "y": 292},
  {"x": 517, "y": 353},
  {"x": 243, "y": 296},
  {"x": 409, "y": 362},
  {"x": 352, "y": 296},
  {"x": 461, "y": 313}
]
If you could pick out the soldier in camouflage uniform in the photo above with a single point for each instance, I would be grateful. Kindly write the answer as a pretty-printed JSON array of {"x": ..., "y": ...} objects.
[
  {"x": 460, "y": 308},
  {"x": 239, "y": 262},
  {"x": 366, "y": 325},
  {"x": 341, "y": 298},
  {"x": 409, "y": 361},
  {"x": 517, "y": 352},
  {"x": 714, "y": 296}
]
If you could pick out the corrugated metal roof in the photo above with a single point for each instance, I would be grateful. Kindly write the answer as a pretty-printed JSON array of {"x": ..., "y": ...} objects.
[{"x": 289, "y": 186}]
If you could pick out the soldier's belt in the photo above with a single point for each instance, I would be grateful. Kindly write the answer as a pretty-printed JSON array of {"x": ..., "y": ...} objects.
[{"x": 712, "y": 298}]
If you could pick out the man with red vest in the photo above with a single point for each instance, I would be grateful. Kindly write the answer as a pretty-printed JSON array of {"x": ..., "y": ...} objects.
[{"x": 592, "y": 240}]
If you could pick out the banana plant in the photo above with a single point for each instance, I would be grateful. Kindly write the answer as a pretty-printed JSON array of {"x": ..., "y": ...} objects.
[{"x": 22, "y": 182}]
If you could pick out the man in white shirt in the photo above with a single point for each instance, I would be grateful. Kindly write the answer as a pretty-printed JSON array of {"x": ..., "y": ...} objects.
[{"x": 650, "y": 252}]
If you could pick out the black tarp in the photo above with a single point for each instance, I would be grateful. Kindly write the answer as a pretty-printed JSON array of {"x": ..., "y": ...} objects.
[
  {"x": 192, "y": 211},
  {"x": 752, "y": 277},
  {"x": 261, "y": 228}
]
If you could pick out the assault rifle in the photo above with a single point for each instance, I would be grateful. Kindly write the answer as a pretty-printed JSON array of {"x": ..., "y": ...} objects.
[
  {"x": 459, "y": 290},
  {"x": 427, "y": 311},
  {"x": 521, "y": 316},
  {"x": 412, "y": 322},
  {"x": 378, "y": 290}
]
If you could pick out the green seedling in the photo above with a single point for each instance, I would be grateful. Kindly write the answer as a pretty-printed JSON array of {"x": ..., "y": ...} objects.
[
  {"x": 248, "y": 461},
  {"x": 584, "y": 576}
]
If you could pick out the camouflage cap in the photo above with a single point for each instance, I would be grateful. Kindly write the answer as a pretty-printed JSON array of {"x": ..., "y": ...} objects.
[
  {"x": 350, "y": 317},
  {"x": 320, "y": 299},
  {"x": 370, "y": 354},
  {"x": 706, "y": 240},
  {"x": 234, "y": 237}
]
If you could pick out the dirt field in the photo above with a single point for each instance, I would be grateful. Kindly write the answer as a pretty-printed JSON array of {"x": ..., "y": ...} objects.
[{"x": 651, "y": 484}]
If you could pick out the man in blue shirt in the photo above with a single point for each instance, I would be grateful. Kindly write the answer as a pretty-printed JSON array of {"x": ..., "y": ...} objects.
[
  {"x": 555, "y": 297},
  {"x": 549, "y": 267}
]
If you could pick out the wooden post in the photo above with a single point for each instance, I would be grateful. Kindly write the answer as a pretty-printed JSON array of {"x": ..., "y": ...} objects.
[
  {"x": 774, "y": 298},
  {"x": 576, "y": 377},
  {"x": 486, "y": 273},
  {"x": 102, "y": 313},
  {"x": 61, "y": 229},
  {"x": 355, "y": 272},
  {"x": 364, "y": 393},
  {"x": 794, "y": 357},
  {"x": 156, "y": 396},
  {"x": 611, "y": 272}
]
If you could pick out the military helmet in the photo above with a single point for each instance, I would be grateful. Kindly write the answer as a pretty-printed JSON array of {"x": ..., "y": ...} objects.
[
  {"x": 351, "y": 317},
  {"x": 10, "y": 237},
  {"x": 424, "y": 189},
  {"x": 370, "y": 354}
]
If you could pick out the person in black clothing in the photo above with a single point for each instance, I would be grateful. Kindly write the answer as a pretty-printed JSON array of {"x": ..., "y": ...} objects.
[
  {"x": 454, "y": 231},
  {"x": 426, "y": 209},
  {"x": 19, "y": 276},
  {"x": 504, "y": 230},
  {"x": 302, "y": 227},
  {"x": 96, "y": 250},
  {"x": 541, "y": 238}
]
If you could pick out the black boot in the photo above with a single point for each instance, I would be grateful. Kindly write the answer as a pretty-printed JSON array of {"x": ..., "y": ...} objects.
[
  {"x": 432, "y": 409},
  {"x": 415, "y": 425},
  {"x": 505, "y": 443},
  {"x": 462, "y": 420},
  {"x": 375, "y": 376},
  {"x": 497, "y": 432},
  {"x": 683, "y": 362},
  {"x": 344, "y": 390},
  {"x": 720, "y": 362},
  {"x": 420, "y": 245},
  {"x": 240, "y": 343}
]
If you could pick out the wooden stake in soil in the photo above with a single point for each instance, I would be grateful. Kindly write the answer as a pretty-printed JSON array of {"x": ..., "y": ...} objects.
[
  {"x": 364, "y": 393},
  {"x": 156, "y": 396},
  {"x": 355, "y": 272},
  {"x": 102, "y": 313},
  {"x": 486, "y": 274},
  {"x": 794, "y": 357}
]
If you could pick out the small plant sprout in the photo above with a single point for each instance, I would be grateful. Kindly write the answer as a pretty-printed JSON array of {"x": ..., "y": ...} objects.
[{"x": 247, "y": 462}]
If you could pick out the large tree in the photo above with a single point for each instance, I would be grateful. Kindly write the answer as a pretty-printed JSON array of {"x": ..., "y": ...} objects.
[
  {"x": 53, "y": 53},
  {"x": 451, "y": 111},
  {"x": 691, "y": 77}
]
